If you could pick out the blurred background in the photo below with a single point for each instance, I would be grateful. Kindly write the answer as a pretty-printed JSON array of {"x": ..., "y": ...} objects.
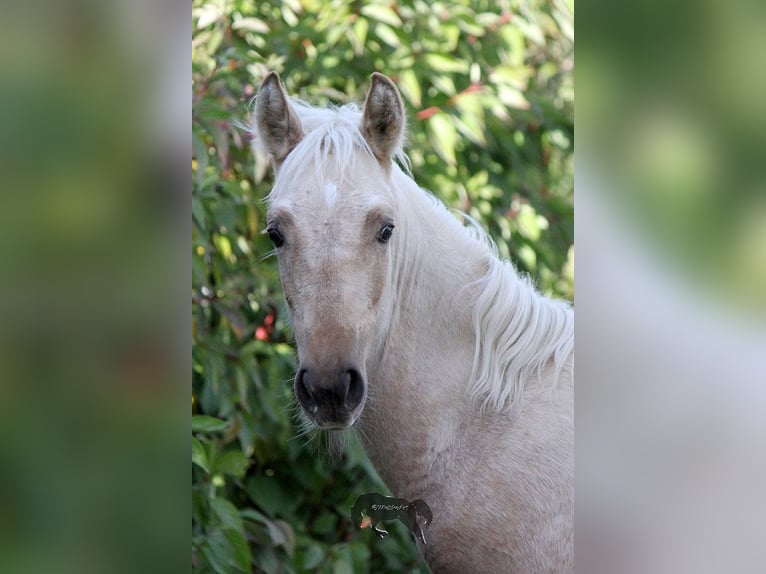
[
  {"x": 94, "y": 220},
  {"x": 671, "y": 287},
  {"x": 488, "y": 89}
]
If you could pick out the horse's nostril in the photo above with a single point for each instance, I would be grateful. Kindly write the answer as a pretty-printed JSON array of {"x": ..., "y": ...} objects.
[
  {"x": 302, "y": 389},
  {"x": 355, "y": 388}
]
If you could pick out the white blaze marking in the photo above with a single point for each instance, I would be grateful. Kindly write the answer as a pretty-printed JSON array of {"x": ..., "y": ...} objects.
[{"x": 330, "y": 194}]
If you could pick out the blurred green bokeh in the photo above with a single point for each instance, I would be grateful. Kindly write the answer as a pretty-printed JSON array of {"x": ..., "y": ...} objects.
[
  {"x": 671, "y": 337},
  {"x": 90, "y": 263},
  {"x": 489, "y": 95},
  {"x": 673, "y": 96}
]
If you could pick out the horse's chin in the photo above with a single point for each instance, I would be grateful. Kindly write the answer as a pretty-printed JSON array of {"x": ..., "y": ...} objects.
[
  {"x": 333, "y": 423},
  {"x": 336, "y": 425}
]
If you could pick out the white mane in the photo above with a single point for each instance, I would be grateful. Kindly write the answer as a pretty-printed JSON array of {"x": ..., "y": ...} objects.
[{"x": 518, "y": 332}]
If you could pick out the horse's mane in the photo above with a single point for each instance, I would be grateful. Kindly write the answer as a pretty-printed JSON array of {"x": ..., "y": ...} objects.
[{"x": 518, "y": 331}]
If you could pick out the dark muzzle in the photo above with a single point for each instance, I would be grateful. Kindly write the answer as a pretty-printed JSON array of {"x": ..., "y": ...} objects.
[{"x": 332, "y": 398}]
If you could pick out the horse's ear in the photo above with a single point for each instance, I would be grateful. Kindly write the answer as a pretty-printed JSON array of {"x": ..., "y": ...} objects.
[
  {"x": 383, "y": 121},
  {"x": 276, "y": 122}
]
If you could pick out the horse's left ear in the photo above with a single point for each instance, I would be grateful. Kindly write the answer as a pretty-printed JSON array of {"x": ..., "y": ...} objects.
[{"x": 383, "y": 121}]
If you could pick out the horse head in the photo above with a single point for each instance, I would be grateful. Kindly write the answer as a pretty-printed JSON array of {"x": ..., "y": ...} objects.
[{"x": 331, "y": 218}]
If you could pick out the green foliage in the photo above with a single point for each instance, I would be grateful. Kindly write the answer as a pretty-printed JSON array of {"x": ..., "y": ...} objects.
[{"x": 489, "y": 95}]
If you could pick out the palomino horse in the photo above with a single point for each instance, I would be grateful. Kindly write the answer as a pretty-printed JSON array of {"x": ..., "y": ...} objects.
[{"x": 455, "y": 372}]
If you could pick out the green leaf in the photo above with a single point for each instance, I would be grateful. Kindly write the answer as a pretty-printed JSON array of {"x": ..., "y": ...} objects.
[
  {"x": 205, "y": 423},
  {"x": 515, "y": 76},
  {"x": 447, "y": 65},
  {"x": 223, "y": 245},
  {"x": 528, "y": 256},
  {"x": 198, "y": 212},
  {"x": 410, "y": 86},
  {"x": 240, "y": 550},
  {"x": 360, "y": 29},
  {"x": 313, "y": 556},
  {"x": 289, "y": 17},
  {"x": 216, "y": 552},
  {"x": 443, "y": 136},
  {"x": 471, "y": 127},
  {"x": 382, "y": 13},
  {"x": 530, "y": 224},
  {"x": 282, "y": 534},
  {"x": 387, "y": 34},
  {"x": 513, "y": 98},
  {"x": 445, "y": 84},
  {"x": 251, "y": 25},
  {"x": 227, "y": 513},
  {"x": 199, "y": 456},
  {"x": 208, "y": 14},
  {"x": 216, "y": 37},
  {"x": 227, "y": 550},
  {"x": 232, "y": 462},
  {"x": 253, "y": 515}
]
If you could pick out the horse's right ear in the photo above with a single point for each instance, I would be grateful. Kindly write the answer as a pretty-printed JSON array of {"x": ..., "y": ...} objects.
[
  {"x": 276, "y": 123},
  {"x": 383, "y": 119}
]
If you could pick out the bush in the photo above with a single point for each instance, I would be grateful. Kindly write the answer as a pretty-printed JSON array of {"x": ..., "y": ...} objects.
[{"x": 489, "y": 95}]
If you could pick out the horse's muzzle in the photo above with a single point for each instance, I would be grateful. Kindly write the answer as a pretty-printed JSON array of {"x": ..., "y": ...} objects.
[{"x": 332, "y": 398}]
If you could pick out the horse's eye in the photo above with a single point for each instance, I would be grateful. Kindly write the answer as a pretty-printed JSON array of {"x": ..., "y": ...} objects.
[
  {"x": 276, "y": 236},
  {"x": 386, "y": 232}
]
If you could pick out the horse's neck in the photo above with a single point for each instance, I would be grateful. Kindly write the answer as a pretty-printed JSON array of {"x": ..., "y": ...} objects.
[
  {"x": 435, "y": 273},
  {"x": 419, "y": 376}
]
